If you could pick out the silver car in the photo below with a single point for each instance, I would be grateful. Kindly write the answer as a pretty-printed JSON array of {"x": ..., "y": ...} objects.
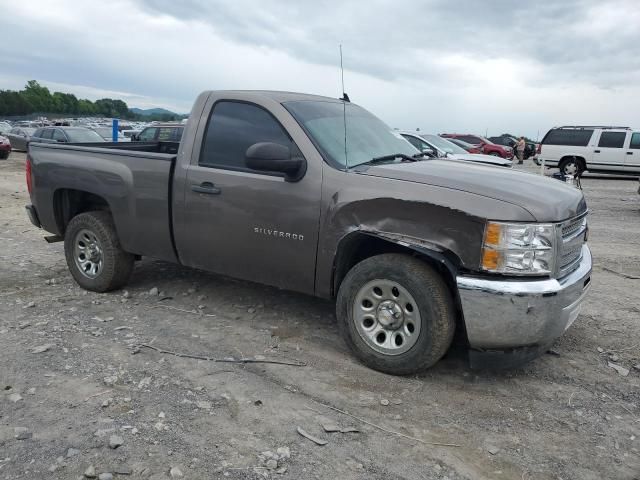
[
  {"x": 443, "y": 148},
  {"x": 20, "y": 137}
]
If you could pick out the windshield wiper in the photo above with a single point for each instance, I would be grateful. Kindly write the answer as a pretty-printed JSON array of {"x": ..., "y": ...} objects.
[{"x": 393, "y": 156}]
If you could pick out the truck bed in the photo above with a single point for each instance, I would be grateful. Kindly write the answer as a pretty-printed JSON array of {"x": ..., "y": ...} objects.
[{"x": 133, "y": 179}]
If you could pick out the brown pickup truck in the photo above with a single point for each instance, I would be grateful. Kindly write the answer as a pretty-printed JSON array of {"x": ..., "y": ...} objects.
[{"x": 317, "y": 195}]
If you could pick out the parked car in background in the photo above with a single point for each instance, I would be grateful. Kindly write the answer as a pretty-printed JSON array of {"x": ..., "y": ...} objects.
[
  {"x": 19, "y": 137},
  {"x": 65, "y": 135},
  {"x": 5, "y": 147},
  {"x": 466, "y": 146},
  {"x": 508, "y": 141},
  {"x": 574, "y": 149},
  {"x": 443, "y": 148},
  {"x": 107, "y": 134},
  {"x": 5, "y": 127},
  {"x": 161, "y": 132},
  {"x": 487, "y": 146}
]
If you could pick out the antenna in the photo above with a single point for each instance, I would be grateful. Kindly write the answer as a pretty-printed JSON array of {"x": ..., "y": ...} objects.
[{"x": 345, "y": 99}]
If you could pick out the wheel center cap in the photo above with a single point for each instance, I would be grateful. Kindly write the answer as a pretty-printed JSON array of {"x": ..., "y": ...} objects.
[
  {"x": 94, "y": 253},
  {"x": 389, "y": 315}
]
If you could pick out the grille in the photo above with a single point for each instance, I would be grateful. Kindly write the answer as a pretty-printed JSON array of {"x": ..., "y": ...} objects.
[
  {"x": 573, "y": 233},
  {"x": 572, "y": 226}
]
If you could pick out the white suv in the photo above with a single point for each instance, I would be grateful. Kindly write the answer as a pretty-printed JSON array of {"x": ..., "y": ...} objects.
[{"x": 594, "y": 148}]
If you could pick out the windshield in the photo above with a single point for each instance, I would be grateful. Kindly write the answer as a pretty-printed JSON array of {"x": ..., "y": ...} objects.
[
  {"x": 83, "y": 136},
  {"x": 444, "y": 144},
  {"x": 367, "y": 136}
]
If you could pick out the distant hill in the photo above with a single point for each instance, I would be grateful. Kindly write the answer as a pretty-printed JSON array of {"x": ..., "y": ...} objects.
[{"x": 147, "y": 112}]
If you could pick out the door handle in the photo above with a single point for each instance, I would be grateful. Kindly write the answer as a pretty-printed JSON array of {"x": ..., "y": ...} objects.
[
  {"x": 207, "y": 188},
  {"x": 596, "y": 151},
  {"x": 629, "y": 153}
]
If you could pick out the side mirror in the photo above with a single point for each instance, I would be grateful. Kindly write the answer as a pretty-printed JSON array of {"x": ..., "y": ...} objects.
[{"x": 273, "y": 157}]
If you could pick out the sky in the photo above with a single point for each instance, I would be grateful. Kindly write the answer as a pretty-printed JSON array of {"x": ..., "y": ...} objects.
[{"x": 462, "y": 66}]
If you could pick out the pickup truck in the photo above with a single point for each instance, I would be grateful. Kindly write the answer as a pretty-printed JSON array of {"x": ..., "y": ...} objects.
[{"x": 271, "y": 187}]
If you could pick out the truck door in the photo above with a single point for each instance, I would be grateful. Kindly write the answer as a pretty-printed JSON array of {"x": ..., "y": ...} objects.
[
  {"x": 608, "y": 154},
  {"x": 241, "y": 222},
  {"x": 632, "y": 153}
]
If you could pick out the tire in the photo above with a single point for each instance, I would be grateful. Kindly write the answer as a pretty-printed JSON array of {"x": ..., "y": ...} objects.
[
  {"x": 494, "y": 154},
  {"x": 426, "y": 301},
  {"x": 107, "y": 266},
  {"x": 4, "y": 155},
  {"x": 570, "y": 166}
]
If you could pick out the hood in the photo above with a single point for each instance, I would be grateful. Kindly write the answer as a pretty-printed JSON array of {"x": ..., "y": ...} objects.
[
  {"x": 546, "y": 199},
  {"x": 478, "y": 158}
]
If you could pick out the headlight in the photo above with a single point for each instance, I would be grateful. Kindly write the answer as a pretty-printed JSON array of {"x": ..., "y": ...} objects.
[{"x": 519, "y": 248}]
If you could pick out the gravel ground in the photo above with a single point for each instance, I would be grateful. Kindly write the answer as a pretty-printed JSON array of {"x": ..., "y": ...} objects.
[{"x": 74, "y": 386}]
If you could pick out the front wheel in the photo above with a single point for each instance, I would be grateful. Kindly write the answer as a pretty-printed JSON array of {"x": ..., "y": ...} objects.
[
  {"x": 494, "y": 154},
  {"x": 94, "y": 256},
  {"x": 395, "y": 312}
]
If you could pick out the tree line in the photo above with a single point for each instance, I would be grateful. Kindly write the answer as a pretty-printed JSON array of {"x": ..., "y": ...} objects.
[{"x": 35, "y": 98}]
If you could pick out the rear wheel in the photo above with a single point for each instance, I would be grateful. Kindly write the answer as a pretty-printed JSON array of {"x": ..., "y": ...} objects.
[
  {"x": 4, "y": 154},
  {"x": 395, "y": 312},
  {"x": 94, "y": 256}
]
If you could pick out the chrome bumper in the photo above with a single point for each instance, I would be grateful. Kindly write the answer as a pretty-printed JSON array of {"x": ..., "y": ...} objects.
[{"x": 505, "y": 314}]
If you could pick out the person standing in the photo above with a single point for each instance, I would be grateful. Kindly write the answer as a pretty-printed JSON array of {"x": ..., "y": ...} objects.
[{"x": 520, "y": 146}]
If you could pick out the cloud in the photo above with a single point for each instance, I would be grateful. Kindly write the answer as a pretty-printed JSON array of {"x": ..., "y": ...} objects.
[{"x": 439, "y": 65}]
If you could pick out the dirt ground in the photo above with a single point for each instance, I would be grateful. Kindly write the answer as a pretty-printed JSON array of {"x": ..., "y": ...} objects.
[{"x": 567, "y": 415}]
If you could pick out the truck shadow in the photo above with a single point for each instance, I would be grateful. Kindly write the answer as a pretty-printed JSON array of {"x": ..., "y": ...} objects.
[{"x": 296, "y": 315}]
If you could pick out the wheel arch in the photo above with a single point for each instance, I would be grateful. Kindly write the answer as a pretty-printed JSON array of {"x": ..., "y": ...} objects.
[
  {"x": 360, "y": 245},
  {"x": 68, "y": 202}
]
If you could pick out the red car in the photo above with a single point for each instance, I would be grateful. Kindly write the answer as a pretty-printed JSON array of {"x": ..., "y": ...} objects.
[
  {"x": 487, "y": 146},
  {"x": 5, "y": 147}
]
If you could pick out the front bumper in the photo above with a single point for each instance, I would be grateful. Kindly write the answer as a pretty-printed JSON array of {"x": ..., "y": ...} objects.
[{"x": 522, "y": 314}]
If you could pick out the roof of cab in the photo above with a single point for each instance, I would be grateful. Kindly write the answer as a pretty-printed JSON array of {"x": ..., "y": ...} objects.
[{"x": 278, "y": 96}]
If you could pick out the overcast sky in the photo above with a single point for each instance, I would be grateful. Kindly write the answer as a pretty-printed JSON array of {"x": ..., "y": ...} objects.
[{"x": 440, "y": 65}]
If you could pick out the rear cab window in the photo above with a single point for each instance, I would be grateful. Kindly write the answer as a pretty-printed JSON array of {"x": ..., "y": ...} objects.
[{"x": 169, "y": 134}]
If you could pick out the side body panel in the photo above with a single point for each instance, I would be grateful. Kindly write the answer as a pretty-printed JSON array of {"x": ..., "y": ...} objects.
[
  {"x": 134, "y": 184},
  {"x": 440, "y": 219}
]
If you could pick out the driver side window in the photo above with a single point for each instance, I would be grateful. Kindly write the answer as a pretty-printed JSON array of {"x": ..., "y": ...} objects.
[{"x": 232, "y": 128}]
